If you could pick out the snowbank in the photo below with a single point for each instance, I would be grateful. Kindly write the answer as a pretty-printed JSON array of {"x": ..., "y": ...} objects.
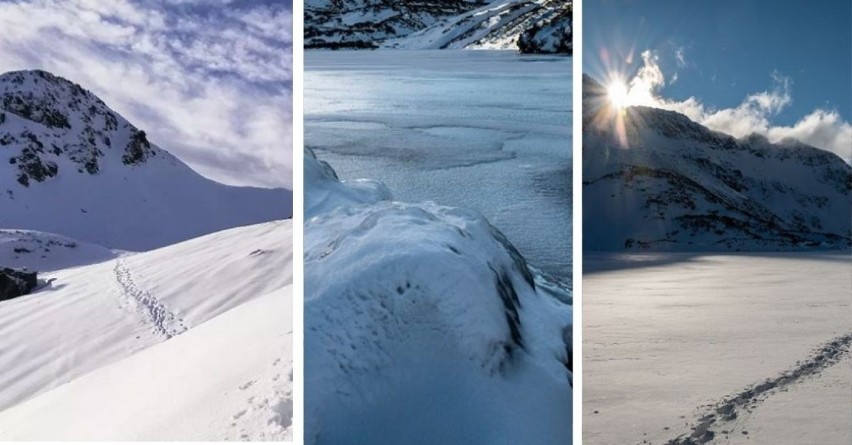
[{"x": 424, "y": 325}]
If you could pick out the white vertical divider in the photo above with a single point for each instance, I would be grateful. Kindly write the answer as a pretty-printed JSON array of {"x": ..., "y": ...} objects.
[
  {"x": 577, "y": 215},
  {"x": 298, "y": 225}
]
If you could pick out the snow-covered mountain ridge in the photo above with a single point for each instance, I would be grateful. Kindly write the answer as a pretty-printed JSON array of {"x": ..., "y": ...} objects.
[
  {"x": 536, "y": 26},
  {"x": 540, "y": 26},
  {"x": 73, "y": 166},
  {"x": 654, "y": 179}
]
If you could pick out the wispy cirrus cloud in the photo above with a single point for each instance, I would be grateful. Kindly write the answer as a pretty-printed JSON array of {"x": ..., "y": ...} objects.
[
  {"x": 210, "y": 81},
  {"x": 821, "y": 128}
]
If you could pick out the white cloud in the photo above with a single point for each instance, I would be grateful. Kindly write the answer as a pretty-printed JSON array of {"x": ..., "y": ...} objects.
[
  {"x": 210, "y": 83},
  {"x": 821, "y": 128}
]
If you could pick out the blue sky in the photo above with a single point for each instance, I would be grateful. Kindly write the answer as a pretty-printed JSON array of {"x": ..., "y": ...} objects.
[
  {"x": 796, "y": 55},
  {"x": 208, "y": 80}
]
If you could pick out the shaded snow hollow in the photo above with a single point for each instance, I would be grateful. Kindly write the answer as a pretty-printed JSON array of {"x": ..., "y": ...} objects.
[{"x": 424, "y": 325}]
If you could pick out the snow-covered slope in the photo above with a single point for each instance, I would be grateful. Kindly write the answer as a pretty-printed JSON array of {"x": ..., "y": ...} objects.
[
  {"x": 191, "y": 341},
  {"x": 433, "y": 24},
  {"x": 653, "y": 179},
  {"x": 424, "y": 325},
  {"x": 73, "y": 166},
  {"x": 542, "y": 26}
]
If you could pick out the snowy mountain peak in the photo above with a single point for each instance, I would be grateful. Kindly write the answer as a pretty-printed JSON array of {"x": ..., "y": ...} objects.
[
  {"x": 45, "y": 118},
  {"x": 661, "y": 181},
  {"x": 70, "y": 165}
]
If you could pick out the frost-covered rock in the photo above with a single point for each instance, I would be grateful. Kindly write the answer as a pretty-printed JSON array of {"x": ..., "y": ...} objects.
[
  {"x": 654, "y": 179},
  {"x": 424, "y": 321},
  {"x": 71, "y": 165},
  {"x": 14, "y": 283}
]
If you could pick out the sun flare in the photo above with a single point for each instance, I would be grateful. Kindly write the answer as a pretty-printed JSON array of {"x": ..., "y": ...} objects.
[{"x": 617, "y": 93}]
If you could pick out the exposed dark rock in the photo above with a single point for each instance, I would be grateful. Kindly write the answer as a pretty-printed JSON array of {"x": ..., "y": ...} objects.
[
  {"x": 138, "y": 149},
  {"x": 15, "y": 283}
]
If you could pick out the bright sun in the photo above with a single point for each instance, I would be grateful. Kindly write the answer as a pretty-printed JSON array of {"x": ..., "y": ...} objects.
[{"x": 617, "y": 92}]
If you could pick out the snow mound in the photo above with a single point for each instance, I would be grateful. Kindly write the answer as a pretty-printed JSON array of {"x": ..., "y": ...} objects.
[
  {"x": 97, "y": 315},
  {"x": 424, "y": 325},
  {"x": 75, "y": 167},
  {"x": 654, "y": 179}
]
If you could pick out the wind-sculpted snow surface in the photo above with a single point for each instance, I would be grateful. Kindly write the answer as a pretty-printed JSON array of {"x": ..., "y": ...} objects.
[
  {"x": 424, "y": 325},
  {"x": 72, "y": 166},
  {"x": 653, "y": 179}
]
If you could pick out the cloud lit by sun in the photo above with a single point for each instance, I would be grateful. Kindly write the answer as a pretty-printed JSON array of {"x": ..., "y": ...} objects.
[{"x": 643, "y": 86}]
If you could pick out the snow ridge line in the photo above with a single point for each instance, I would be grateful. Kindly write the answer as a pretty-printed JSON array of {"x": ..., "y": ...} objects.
[
  {"x": 726, "y": 411},
  {"x": 164, "y": 321}
]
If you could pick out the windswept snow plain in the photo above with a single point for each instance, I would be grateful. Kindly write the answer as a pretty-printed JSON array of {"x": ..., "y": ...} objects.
[
  {"x": 485, "y": 130},
  {"x": 187, "y": 342},
  {"x": 424, "y": 325},
  {"x": 684, "y": 348}
]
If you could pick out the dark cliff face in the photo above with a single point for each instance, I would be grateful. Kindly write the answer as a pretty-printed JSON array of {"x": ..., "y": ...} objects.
[
  {"x": 46, "y": 121},
  {"x": 664, "y": 182}
]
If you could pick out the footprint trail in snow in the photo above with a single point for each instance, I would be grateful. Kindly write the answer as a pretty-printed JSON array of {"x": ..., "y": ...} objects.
[{"x": 153, "y": 311}]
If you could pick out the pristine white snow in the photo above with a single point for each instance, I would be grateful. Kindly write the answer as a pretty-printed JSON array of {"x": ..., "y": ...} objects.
[
  {"x": 190, "y": 341},
  {"x": 486, "y": 130},
  {"x": 666, "y": 333},
  {"x": 423, "y": 325},
  {"x": 142, "y": 205}
]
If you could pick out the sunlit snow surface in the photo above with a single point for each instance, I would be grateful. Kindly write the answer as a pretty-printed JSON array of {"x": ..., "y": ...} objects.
[
  {"x": 487, "y": 130},
  {"x": 667, "y": 333},
  {"x": 188, "y": 342}
]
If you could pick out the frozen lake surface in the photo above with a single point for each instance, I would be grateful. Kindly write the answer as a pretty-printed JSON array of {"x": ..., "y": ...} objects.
[
  {"x": 487, "y": 130},
  {"x": 666, "y": 335}
]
